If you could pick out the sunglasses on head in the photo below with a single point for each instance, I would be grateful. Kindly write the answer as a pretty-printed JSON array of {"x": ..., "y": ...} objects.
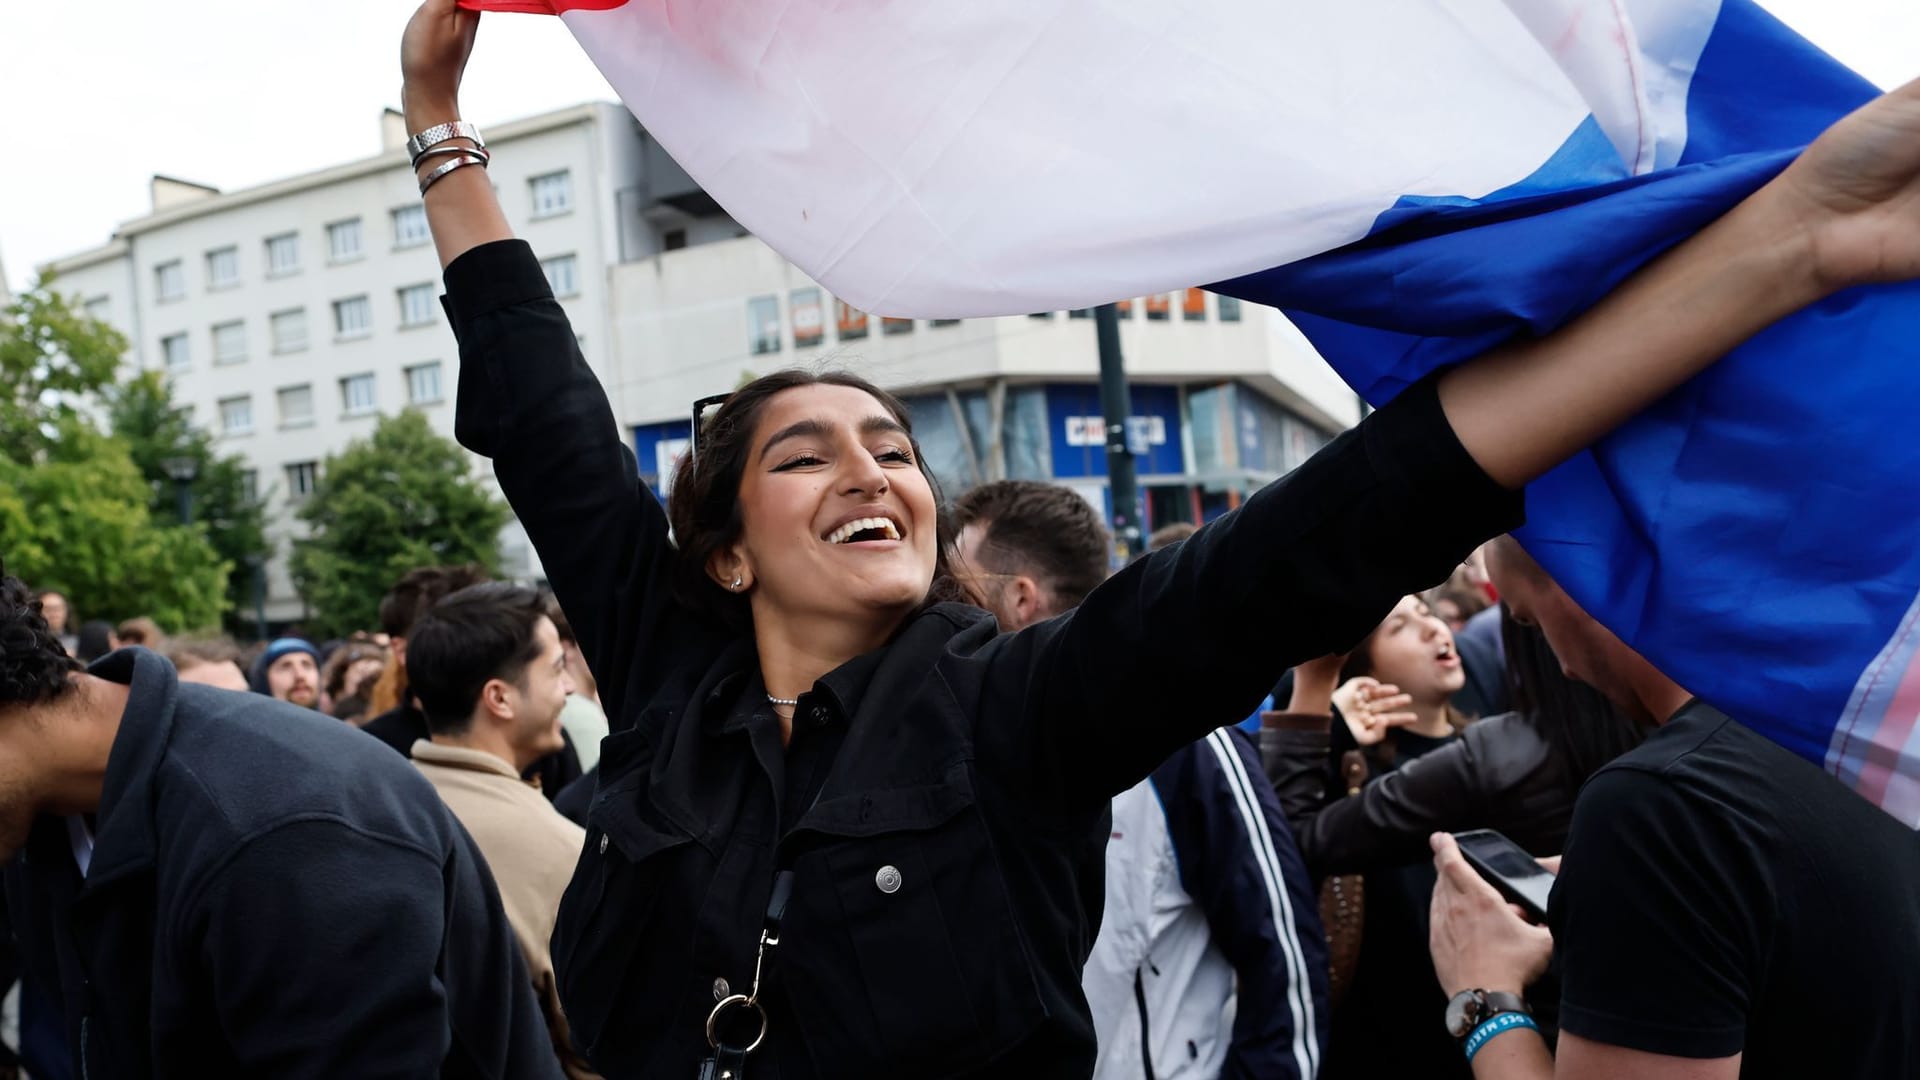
[{"x": 701, "y": 409}]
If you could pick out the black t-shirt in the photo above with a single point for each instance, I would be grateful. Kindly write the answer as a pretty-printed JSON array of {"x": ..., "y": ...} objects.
[{"x": 1722, "y": 896}]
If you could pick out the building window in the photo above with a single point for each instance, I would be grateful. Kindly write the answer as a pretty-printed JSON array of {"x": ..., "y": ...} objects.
[
  {"x": 289, "y": 330},
  {"x": 1080, "y": 313},
  {"x": 850, "y": 321},
  {"x": 561, "y": 275},
  {"x": 356, "y": 394},
  {"x": 1043, "y": 315},
  {"x": 1124, "y": 308},
  {"x": 809, "y": 325},
  {"x": 236, "y": 415},
  {"x": 673, "y": 239},
  {"x": 343, "y": 241},
  {"x": 283, "y": 254},
  {"x": 169, "y": 281},
  {"x": 1229, "y": 309},
  {"x": 223, "y": 268},
  {"x": 1193, "y": 305},
  {"x": 296, "y": 405},
  {"x": 552, "y": 193},
  {"x": 1158, "y": 307},
  {"x": 352, "y": 317},
  {"x": 229, "y": 342},
  {"x": 410, "y": 227},
  {"x": 423, "y": 383},
  {"x": 174, "y": 351},
  {"x": 249, "y": 486},
  {"x": 416, "y": 305},
  {"x": 891, "y": 326},
  {"x": 763, "y": 324},
  {"x": 99, "y": 307},
  {"x": 302, "y": 478},
  {"x": 943, "y": 322}
]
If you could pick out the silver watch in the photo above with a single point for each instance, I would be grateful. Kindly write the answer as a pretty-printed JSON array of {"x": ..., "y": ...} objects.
[{"x": 439, "y": 133}]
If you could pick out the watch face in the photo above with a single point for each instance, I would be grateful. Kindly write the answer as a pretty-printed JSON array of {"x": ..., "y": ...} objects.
[{"x": 1464, "y": 1011}]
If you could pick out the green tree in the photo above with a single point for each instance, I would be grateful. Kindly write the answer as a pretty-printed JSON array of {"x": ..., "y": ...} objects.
[
  {"x": 157, "y": 433},
  {"x": 73, "y": 506},
  {"x": 403, "y": 498}
]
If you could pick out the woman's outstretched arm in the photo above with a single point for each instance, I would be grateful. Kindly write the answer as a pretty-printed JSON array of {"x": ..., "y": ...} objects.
[
  {"x": 462, "y": 210},
  {"x": 1846, "y": 213}
]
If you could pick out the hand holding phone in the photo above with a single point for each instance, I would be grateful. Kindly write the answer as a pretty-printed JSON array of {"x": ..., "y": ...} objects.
[{"x": 1507, "y": 867}]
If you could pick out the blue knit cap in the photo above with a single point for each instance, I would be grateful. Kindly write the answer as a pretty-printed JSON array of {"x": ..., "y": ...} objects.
[{"x": 279, "y": 647}]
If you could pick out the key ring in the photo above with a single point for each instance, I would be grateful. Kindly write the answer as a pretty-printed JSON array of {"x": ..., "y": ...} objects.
[{"x": 713, "y": 1018}]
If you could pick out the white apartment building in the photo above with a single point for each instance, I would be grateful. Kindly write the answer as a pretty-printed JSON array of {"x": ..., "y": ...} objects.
[
  {"x": 1226, "y": 396},
  {"x": 290, "y": 315}
]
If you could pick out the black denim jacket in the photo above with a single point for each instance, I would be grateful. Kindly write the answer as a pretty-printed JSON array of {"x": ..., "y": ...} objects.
[{"x": 943, "y": 803}]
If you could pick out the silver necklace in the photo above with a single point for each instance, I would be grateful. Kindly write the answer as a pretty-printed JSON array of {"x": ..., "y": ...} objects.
[{"x": 771, "y": 700}]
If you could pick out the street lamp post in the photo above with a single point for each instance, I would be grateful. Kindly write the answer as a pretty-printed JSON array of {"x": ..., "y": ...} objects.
[
  {"x": 258, "y": 564},
  {"x": 182, "y": 470}
]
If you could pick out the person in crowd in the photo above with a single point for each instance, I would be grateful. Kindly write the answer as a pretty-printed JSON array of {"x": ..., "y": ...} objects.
[
  {"x": 1516, "y": 773},
  {"x": 219, "y": 884},
  {"x": 141, "y": 630},
  {"x": 1210, "y": 959},
  {"x": 348, "y": 675},
  {"x": 95, "y": 640},
  {"x": 211, "y": 661},
  {"x": 1724, "y": 907},
  {"x": 1409, "y": 660},
  {"x": 404, "y": 724},
  {"x": 490, "y": 673},
  {"x": 582, "y": 718},
  {"x": 827, "y": 771},
  {"x": 1169, "y": 535},
  {"x": 288, "y": 669},
  {"x": 53, "y": 604}
]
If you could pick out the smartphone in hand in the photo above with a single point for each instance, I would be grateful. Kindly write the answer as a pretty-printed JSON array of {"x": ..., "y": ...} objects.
[{"x": 1508, "y": 868}]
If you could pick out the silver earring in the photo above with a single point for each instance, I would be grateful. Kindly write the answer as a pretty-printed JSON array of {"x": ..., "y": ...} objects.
[{"x": 736, "y": 583}]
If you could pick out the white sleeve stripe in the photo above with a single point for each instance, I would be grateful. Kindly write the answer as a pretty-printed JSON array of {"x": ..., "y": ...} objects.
[{"x": 1306, "y": 1050}]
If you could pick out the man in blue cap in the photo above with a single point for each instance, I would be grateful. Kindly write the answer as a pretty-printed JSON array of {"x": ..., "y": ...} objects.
[{"x": 288, "y": 671}]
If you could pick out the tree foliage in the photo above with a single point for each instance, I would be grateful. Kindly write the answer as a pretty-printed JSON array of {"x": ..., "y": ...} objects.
[
  {"x": 403, "y": 498},
  {"x": 156, "y": 432},
  {"x": 73, "y": 506}
]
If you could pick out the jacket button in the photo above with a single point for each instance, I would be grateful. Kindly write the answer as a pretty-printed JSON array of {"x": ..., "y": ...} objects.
[
  {"x": 603, "y": 843},
  {"x": 888, "y": 880},
  {"x": 721, "y": 989}
]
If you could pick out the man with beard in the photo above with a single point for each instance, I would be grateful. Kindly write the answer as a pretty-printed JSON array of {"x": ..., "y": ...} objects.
[{"x": 288, "y": 671}]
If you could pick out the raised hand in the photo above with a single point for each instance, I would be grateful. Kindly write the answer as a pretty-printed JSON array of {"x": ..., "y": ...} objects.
[
  {"x": 1856, "y": 191},
  {"x": 1371, "y": 708},
  {"x": 433, "y": 56}
]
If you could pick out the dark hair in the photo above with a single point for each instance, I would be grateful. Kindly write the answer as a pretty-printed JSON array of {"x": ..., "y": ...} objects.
[
  {"x": 94, "y": 641},
  {"x": 1581, "y": 727},
  {"x": 1360, "y": 662},
  {"x": 1169, "y": 535},
  {"x": 705, "y": 504},
  {"x": 33, "y": 665},
  {"x": 419, "y": 589},
  {"x": 482, "y": 632},
  {"x": 140, "y": 630},
  {"x": 1043, "y": 529},
  {"x": 333, "y": 673}
]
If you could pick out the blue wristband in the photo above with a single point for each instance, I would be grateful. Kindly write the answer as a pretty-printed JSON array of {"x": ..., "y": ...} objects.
[{"x": 1493, "y": 1026}]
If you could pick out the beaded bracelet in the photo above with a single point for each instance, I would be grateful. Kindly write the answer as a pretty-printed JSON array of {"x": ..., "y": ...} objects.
[{"x": 1495, "y": 1025}]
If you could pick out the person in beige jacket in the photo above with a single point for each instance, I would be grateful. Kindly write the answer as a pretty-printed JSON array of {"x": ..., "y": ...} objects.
[{"x": 487, "y": 666}]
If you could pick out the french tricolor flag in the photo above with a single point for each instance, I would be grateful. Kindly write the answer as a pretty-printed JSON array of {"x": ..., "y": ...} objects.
[{"x": 1411, "y": 183}]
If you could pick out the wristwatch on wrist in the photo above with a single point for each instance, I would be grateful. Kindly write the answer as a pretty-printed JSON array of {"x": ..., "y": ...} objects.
[{"x": 1468, "y": 1009}]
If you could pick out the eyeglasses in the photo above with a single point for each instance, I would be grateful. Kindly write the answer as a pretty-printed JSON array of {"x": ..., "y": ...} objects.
[{"x": 700, "y": 410}]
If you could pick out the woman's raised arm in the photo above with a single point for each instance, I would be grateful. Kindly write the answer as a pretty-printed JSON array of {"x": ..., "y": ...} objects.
[
  {"x": 462, "y": 209},
  {"x": 1846, "y": 213}
]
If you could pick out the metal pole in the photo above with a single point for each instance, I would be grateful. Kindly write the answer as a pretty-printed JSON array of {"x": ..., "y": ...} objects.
[
  {"x": 1117, "y": 405},
  {"x": 259, "y": 599},
  {"x": 183, "y": 500}
]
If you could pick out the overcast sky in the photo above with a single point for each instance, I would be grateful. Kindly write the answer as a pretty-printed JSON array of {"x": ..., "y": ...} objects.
[{"x": 97, "y": 96}]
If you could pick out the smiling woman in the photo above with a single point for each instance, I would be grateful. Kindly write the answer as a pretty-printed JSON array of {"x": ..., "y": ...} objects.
[{"x": 848, "y": 827}]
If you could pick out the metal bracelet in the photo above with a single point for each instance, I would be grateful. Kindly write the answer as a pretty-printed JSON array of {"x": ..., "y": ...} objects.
[
  {"x": 433, "y": 177},
  {"x": 439, "y": 133},
  {"x": 481, "y": 152}
]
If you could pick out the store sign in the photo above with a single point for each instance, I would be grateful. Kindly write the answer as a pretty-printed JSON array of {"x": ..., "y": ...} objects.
[{"x": 1143, "y": 432}]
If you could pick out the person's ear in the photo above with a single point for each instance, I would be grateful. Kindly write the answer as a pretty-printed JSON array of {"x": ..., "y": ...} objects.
[
  {"x": 1026, "y": 599},
  {"x": 728, "y": 568},
  {"x": 497, "y": 699}
]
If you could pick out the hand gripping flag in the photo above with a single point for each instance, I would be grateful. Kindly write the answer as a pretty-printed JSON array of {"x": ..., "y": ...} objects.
[{"x": 1412, "y": 183}]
